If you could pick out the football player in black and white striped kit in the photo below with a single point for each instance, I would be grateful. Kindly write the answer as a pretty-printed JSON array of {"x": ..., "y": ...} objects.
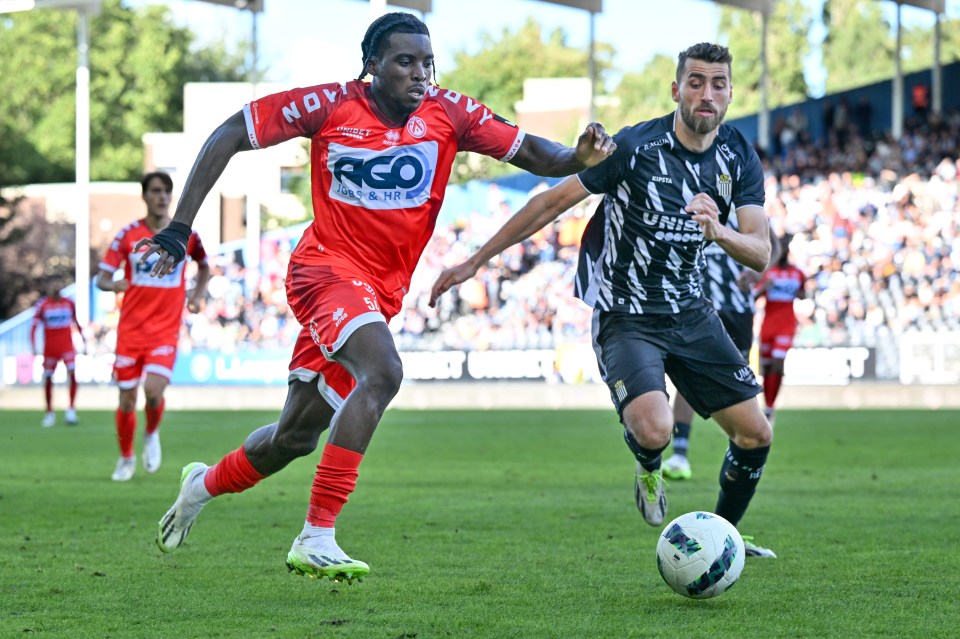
[{"x": 668, "y": 191}]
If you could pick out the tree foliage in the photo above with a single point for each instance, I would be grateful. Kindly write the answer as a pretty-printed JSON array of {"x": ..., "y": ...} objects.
[
  {"x": 642, "y": 95},
  {"x": 494, "y": 75},
  {"x": 787, "y": 45},
  {"x": 646, "y": 94},
  {"x": 858, "y": 49},
  {"x": 139, "y": 61},
  {"x": 35, "y": 254},
  {"x": 917, "y": 45}
]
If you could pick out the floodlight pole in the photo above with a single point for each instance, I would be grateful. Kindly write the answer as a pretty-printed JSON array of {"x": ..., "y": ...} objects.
[
  {"x": 937, "y": 80},
  {"x": 766, "y": 9},
  {"x": 82, "y": 259},
  {"x": 897, "y": 122},
  {"x": 251, "y": 254},
  {"x": 592, "y": 66},
  {"x": 763, "y": 120}
]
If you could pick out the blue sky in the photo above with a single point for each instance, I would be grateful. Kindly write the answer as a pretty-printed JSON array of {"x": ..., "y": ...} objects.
[{"x": 312, "y": 41}]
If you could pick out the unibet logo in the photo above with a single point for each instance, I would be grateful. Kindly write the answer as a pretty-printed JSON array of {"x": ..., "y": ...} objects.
[
  {"x": 393, "y": 178},
  {"x": 673, "y": 227}
]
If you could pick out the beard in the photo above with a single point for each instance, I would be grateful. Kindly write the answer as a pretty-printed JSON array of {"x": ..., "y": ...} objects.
[{"x": 700, "y": 124}]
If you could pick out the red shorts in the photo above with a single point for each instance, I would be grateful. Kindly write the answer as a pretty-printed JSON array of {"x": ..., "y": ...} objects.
[
  {"x": 775, "y": 346},
  {"x": 330, "y": 303},
  {"x": 51, "y": 358},
  {"x": 133, "y": 362}
]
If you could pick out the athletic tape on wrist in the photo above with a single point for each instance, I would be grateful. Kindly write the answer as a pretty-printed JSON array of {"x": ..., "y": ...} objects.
[{"x": 173, "y": 239}]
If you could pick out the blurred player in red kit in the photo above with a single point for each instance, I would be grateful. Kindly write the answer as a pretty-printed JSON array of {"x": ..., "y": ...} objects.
[
  {"x": 780, "y": 285},
  {"x": 57, "y": 315},
  {"x": 150, "y": 316},
  {"x": 382, "y": 153}
]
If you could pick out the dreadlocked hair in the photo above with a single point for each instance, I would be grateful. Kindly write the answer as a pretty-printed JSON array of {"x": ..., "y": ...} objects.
[{"x": 382, "y": 28}]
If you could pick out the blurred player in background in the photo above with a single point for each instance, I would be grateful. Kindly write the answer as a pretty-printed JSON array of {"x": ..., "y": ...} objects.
[
  {"x": 780, "y": 285},
  {"x": 381, "y": 154},
  {"x": 729, "y": 285},
  {"x": 668, "y": 189},
  {"x": 150, "y": 315},
  {"x": 57, "y": 315}
]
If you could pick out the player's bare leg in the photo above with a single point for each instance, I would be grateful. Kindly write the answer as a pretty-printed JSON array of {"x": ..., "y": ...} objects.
[
  {"x": 266, "y": 450},
  {"x": 648, "y": 422},
  {"x": 49, "y": 418},
  {"x": 772, "y": 371},
  {"x": 370, "y": 356},
  {"x": 126, "y": 421},
  {"x": 70, "y": 415},
  {"x": 305, "y": 416},
  {"x": 153, "y": 388}
]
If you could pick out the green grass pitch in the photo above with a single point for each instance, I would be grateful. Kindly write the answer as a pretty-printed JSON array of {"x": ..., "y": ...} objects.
[{"x": 483, "y": 524}]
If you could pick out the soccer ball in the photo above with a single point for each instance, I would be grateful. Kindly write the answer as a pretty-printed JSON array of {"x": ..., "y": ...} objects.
[{"x": 700, "y": 555}]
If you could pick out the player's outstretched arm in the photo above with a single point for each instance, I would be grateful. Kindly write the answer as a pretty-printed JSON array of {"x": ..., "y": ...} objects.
[
  {"x": 749, "y": 278},
  {"x": 83, "y": 338},
  {"x": 33, "y": 336},
  {"x": 751, "y": 245},
  {"x": 105, "y": 282},
  {"x": 545, "y": 157},
  {"x": 171, "y": 243},
  {"x": 533, "y": 216}
]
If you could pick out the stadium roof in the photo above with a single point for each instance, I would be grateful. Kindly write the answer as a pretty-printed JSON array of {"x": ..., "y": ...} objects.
[{"x": 938, "y": 6}]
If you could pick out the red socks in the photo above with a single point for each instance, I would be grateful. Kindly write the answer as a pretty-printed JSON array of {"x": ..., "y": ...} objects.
[
  {"x": 126, "y": 428},
  {"x": 771, "y": 387},
  {"x": 48, "y": 393},
  {"x": 233, "y": 474},
  {"x": 154, "y": 415},
  {"x": 335, "y": 479},
  {"x": 73, "y": 388},
  {"x": 127, "y": 422}
]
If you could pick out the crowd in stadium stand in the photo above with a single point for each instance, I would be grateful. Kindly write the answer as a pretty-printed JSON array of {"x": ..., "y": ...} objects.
[{"x": 875, "y": 225}]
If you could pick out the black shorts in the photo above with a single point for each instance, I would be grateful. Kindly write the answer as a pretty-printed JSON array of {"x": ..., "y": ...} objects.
[
  {"x": 739, "y": 327},
  {"x": 692, "y": 347}
]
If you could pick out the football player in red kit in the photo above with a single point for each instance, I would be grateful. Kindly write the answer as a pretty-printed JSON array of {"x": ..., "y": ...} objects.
[
  {"x": 382, "y": 153},
  {"x": 780, "y": 285},
  {"x": 57, "y": 315},
  {"x": 150, "y": 315}
]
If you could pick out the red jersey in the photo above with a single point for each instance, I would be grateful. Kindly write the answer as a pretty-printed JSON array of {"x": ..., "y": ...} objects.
[
  {"x": 785, "y": 283},
  {"x": 153, "y": 306},
  {"x": 57, "y": 318},
  {"x": 377, "y": 189}
]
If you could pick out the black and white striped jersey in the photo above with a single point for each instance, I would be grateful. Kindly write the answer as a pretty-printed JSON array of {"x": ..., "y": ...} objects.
[
  {"x": 641, "y": 252},
  {"x": 721, "y": 274}
]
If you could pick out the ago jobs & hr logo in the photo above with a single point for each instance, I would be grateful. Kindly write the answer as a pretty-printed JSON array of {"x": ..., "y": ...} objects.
[
  {"x": 395, "y": 178},
  {"x": 140, "y": 272}
]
